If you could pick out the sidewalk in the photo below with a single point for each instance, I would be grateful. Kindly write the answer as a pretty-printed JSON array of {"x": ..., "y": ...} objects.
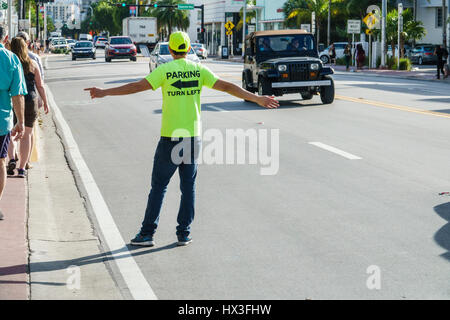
[
  {"x": 49, "y": 249},
  {"x": 427, "y": 75},
  {"x": 13, "y": 242}
]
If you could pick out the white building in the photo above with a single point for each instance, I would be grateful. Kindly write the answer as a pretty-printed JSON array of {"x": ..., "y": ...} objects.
[
  {"x": 430, "y": 13},
  {"x": 217, "y": 13},
  {"x": 64, "y": 11}
]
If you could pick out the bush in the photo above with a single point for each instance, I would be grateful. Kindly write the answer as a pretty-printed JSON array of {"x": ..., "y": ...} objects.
[
  {"x": 405, "y": 64},
  {"x": 60, "y": 51}
]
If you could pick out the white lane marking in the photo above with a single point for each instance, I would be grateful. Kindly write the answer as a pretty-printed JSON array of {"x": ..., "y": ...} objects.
[
  {"x": 217, "y": 108},
  {"x": 335, "y": 150},
  {"x": 134, "y": 279}
]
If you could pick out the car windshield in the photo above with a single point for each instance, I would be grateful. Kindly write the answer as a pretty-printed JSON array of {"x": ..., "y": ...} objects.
[
  {"x": 83, "y": 45},
  {"x": 164, "y": 50},
  {"x": 120, "y": 41},
  {"x": 428, "y": 48},
  {"x": 101, "y": 39},
  {"x": 285, "y": 44},
  {"x": 60, "y": 42}
]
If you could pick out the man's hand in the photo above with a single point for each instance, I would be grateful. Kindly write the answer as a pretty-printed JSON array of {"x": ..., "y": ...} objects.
[
  {"x": 96, "y": 92},
  {"x": 268, "y": 102},
  {"x": 17, "y": 131}
]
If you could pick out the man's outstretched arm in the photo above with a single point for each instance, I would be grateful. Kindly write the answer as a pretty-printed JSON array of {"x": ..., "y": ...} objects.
[
  {"x": 234, "y": 90},
  {"x": 129, "y": 88}
]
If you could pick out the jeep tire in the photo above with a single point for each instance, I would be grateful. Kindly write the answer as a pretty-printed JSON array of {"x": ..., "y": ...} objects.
[
  {"x": 264, "y": 87},
  {"x": 245, "y": 84},
  {"x": 327, "y": 92}
]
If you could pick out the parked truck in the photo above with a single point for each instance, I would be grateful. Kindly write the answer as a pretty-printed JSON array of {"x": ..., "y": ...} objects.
[{"x": 142, "y": 31}]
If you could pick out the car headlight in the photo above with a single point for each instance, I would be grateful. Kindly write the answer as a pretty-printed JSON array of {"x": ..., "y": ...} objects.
[
  {"x": 314, "y": 66},
  {"x": 282, "y": 68}
]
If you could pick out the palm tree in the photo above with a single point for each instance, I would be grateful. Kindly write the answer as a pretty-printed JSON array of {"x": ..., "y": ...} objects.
[
  {"x": 248, "y": 16},
  {"x": 298, "y": 11},
  {"x": 412, "y": 29},
  {"x": 170, "y": 18}
]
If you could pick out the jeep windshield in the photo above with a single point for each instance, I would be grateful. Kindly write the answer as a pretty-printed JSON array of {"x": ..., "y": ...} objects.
[{"x": 286, "y": 45}]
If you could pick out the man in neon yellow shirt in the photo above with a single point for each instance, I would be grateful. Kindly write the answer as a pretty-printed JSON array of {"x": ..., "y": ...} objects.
[{"x": 181, "y": 82}]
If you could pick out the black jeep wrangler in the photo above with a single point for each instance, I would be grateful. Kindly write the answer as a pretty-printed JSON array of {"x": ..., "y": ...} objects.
[{"x": 286, "y": 61}]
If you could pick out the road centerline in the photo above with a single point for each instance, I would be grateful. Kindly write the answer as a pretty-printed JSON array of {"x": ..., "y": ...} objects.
[{"x": 335, "y": 150}]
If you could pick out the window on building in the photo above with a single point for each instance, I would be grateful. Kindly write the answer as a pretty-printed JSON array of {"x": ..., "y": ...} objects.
[{"x": 439, "y": 17}]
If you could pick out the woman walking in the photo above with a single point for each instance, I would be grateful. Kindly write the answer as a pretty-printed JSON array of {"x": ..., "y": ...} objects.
[
  {"x": 348, "y": 56},
  {"x": 34, "y": 81},
  {"x": 360, "y": 56}
]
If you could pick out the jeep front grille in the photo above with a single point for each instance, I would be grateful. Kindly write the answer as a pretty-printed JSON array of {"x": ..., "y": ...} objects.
[{"x": 298, "y": 72}]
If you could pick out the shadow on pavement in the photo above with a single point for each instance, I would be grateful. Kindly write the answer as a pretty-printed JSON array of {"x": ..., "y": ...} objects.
[
  {"x": 442, "y": 236},
  {"x": 96, "y": 258}
]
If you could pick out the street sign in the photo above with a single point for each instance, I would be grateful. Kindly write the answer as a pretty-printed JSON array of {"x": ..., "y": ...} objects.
[
  {"x": 229, "y": 25},
  {"x": 185, "y": 6},
  {"x": 354, "y": 26},
  {"x": 306, "y": 27},
  {"x": 24, "y": 24},
  {"x": 374, "y": 14},
  {"x": 4, "y": 5},
  {"x": 229, "y": 32}
]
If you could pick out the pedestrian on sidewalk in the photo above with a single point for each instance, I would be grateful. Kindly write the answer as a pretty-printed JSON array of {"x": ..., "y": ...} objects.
[
  {"x": 348, "y": 56},
  {"x": 33, "y": 81},
  {"x": 332, "y": 53},
  {"x": 181, "y": 81},
  {"x": 360, "y": 56},
  {"x": 442, "y": 55},
  {"x": 12, "y": 89},
  {"x": 12, "y": 153}
]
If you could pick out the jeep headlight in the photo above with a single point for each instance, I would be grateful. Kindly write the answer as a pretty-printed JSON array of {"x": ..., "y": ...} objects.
[
  {"x": 314, "y": 66},
  {"x": 282, "y": 68}
]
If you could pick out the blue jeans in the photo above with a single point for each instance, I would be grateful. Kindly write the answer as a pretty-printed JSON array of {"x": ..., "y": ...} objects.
[{"x": 169, "y": 156}]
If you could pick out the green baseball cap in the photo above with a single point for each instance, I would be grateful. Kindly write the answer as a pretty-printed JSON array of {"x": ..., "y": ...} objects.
[{"x": 179, "y": 41}]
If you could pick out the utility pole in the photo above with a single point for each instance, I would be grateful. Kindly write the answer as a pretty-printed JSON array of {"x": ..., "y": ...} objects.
[
  {"x": 329, "y": 23},
  {"x": 37, "y": 20},
  {"x": 444, "y": 25},
  {"x": 244, "y": 10},
  {"x": 383, "y": 32},
  {"x": 400, "y": 29},
  {"x": 10, "y": 4}
]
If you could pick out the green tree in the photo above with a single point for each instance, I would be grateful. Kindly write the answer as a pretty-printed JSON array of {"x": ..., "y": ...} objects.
[
  {"x": 298, "y": 11},
  {"x": 249, "y": 15},
  {"x": 170, "y": 18}
]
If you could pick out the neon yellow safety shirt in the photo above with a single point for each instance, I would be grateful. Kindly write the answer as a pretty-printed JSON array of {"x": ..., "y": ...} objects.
[{"x": 181, "y": 82}]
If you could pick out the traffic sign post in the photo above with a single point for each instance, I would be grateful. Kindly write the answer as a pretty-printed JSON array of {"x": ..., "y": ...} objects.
[
  {"x": 185, "y": 6},
  {"x": 353, "y": 27}
]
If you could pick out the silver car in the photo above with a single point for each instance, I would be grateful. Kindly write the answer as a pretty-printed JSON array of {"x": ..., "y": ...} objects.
[
  {"x": 161, "y": 55},
  {"x": 200, "y": 50}
]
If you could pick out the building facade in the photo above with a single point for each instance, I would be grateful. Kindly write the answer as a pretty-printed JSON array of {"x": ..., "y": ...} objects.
[
  {"x": 64, "y": 11},
  {"x": 217, "y": 13},
  {"x": 430, "y": 13},
  {"x": 270, "y": 14}
]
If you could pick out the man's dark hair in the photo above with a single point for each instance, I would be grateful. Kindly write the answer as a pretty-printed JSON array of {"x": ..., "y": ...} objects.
[{"x": 2, "y": 32}]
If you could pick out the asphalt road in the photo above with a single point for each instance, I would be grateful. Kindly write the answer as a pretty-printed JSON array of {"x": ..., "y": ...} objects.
[{"x": 319, "y": 227}]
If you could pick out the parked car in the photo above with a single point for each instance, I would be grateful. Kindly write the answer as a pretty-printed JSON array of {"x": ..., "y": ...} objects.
[
  {"x": 58, "y": 43},
  {"x": 120, "y": 47},
  {"x": 101, "y": 42},
  {"x": 406, "y": 47},
  {"x": 83, "y": 49},
  {"x": 339, "y": 48},
  {"x": 71, "y": 43},
  {"x": 162, "y": 55},
  {"x": 279, "y": 62},
  {"x": 200, "y": 50},
  {"x": 423, "y": 53}
]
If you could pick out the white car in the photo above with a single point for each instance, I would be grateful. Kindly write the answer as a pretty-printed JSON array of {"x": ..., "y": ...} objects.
[
  {"x": 101, "y": 42},
  {"x": 71, "y": 43},
  {"x": 200, "y": 50},
  {"x": 162, "y": 55},
  {"x": 59, "y": 43},
  {"x": 339, "y": 48}
]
